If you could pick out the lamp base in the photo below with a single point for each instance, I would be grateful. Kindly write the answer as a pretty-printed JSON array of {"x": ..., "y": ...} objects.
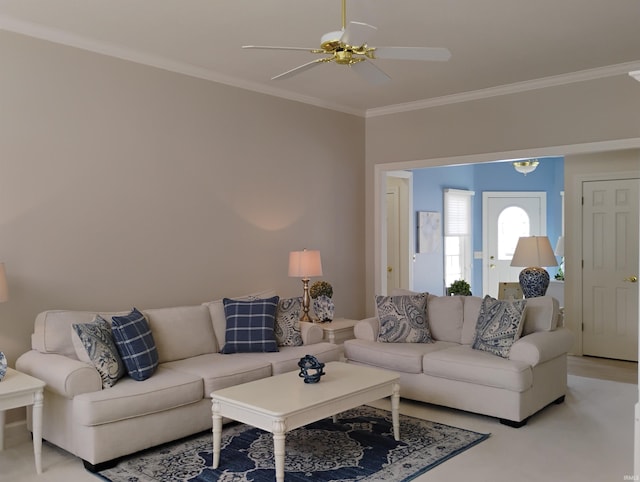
[
  {"x": 306, "y": 301},
  {"x": 534, "y": 282}
]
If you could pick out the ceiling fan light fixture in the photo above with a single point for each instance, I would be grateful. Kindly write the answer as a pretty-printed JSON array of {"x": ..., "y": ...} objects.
[{"x": 525, "y": 167}]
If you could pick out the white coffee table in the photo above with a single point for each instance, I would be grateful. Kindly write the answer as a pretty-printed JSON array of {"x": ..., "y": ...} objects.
[
  {"x": 284, "y": 402},
  {"x": 19, "y": 390}
]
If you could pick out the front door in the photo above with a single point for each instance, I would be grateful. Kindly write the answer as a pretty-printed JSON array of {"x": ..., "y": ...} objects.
[
  {"x": 610, "y": 270},
  {"x": 506, "y": 217}
]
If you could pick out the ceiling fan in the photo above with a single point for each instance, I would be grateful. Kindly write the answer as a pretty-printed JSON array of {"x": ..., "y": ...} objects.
[{"x": 348, "y": 46}]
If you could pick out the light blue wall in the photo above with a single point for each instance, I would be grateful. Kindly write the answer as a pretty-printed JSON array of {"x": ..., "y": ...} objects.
[{"x": 497, "y": 176}]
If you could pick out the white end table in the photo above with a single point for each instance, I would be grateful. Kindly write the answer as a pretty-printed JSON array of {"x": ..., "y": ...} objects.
[
  {"x": 20, "y": 390},
  {"x": 338, "y": 330}
]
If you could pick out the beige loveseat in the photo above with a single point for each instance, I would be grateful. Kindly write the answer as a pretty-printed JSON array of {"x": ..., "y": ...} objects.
[
  {"x": 451, "y": 373},
  {"x": 99, "y": 425}
]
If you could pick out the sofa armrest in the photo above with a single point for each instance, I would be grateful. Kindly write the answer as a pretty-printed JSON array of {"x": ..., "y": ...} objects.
[
  {"x": 311, "y": 333},
  {"x": 65, "y": 376},
  {"x": 541, "y": 346},
  {"x": 367, "y": 329}
]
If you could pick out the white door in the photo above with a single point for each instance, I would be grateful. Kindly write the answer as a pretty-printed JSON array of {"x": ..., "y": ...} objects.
[
  {"x": 506, "y": 216},
  {"x": 610, "y": 268},
  {"x": 393, "y": 238}
]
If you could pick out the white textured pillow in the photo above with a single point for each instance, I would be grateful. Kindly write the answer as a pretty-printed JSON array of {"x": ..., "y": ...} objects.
[{"x": 542, "y": 314}]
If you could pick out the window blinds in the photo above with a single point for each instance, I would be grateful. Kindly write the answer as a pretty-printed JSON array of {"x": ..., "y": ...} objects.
[{"x": 457, "y": 212}]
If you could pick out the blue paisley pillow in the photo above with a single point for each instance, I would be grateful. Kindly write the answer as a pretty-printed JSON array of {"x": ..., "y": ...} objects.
[
  {"x": 287, "y": 328},
  {"x": 97, "y": 340},
  {"x": 403, "y": 319},
  {"x": 499, "y": 325}
]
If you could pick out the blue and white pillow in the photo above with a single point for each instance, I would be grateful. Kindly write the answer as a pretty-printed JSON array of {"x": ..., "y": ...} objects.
[
  {"x": 250, "y": 325},
  {"x": 287, "y": 329},
  {"x": 96, "y": 341},
  {"x": 499, "y": 325},
  {"x": 403, "y": 319},
  {"x": 135, "y": 344}
]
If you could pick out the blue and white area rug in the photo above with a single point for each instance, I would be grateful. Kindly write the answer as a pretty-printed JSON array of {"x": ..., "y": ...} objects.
[{"x": 360, "y": 447}]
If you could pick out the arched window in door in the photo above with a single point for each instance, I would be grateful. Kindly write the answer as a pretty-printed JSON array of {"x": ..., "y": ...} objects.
[{"x": 513, "y": 222}]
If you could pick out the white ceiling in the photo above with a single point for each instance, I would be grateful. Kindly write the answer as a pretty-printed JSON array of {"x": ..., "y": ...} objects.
[{"x": 494, "y": 43}]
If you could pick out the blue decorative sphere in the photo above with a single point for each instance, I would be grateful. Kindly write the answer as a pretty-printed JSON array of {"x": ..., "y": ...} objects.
[{"x": 310, "y": 369}]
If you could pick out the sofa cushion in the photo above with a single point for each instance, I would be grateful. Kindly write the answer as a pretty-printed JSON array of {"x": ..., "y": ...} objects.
[
  {"x": 250, "y": 325},
  {"x": 287, "y": 328},
  {"x": 542, "y": 314},
  {"x": 217, "y": 372},
  {"x": 401, "y": 357},
  {"x": 465, "y": 364},
  {"x": 472, "y": 306},
  {"x": 218, "y": 319},
  {"x": 499, "y": 325},
  {"x": 128, "y": 399},
  {"x": 181, "y": 332},
  {"x": 96, "y": 346},
  {"x": 286, "y": 360},
  {"x": 135, "y": 344},
  {"x": 446, "y": 316},
  {"x": 403, "y": 319}
]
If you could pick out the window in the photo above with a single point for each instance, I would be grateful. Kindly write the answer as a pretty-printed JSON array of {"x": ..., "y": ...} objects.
[
  {"x": 513, "y": 222},
  {"x": 457, "y": 235}
]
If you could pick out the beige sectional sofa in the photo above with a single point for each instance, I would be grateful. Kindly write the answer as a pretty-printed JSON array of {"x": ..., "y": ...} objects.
[
  {"x": 451, "y": 373},
  {"x": 101, "y": 424}
]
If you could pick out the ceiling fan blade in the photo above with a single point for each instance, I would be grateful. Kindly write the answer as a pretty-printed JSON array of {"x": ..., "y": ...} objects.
[
  {"x": 299, "y": 69},
  {"x": 370, "y": 72},
  {"x": 269, "y": 47},
  {"x": 358, "y": 33},
  {"x": 412, "y": 53}
]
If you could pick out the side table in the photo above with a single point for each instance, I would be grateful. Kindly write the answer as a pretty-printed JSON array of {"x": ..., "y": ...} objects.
[
  {"x": 20, "y": 390},
  {"x": 338, "y": 330}
]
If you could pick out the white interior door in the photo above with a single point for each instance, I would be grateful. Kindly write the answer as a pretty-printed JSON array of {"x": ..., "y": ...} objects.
[
  {"x": 610, "y": 268},
  {"x": 507, "y": 216},
  {"x": 393, "y": 238},
  {"x": 400, "y": 238}
]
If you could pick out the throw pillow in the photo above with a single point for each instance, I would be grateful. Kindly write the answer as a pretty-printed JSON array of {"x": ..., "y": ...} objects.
[
  {"x": 250, "y": 325},
  {"x": 287, "y": 329},
  {"x": 94, "y": 343},
  {"x": 403, "y": 319},
  {"x": 135, "y": 343},
  {"x": 499, "y": 325}
]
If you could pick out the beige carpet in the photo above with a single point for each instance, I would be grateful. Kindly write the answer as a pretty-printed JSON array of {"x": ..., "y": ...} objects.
[{"x": 588, "y": 438}]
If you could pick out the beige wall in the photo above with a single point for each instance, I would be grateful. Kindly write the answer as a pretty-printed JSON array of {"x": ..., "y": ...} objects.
[
  {"x": 580, "y": 168},
  {"x": 123, "y": 185},
  {"x": 595, "y": 111}
]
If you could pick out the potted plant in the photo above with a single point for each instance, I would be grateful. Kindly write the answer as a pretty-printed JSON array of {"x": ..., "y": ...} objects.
[
  {"x": 459, "y": 288},
  {"x": 321, "y": 292}
]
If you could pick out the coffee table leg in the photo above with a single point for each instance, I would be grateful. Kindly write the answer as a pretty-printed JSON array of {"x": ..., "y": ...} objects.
[
  {"x": 278, "y": 448},
  {"x": 395, "y": 405},
  {"x": 217, "y": 433},
  {"x": 38, "y": 398}
]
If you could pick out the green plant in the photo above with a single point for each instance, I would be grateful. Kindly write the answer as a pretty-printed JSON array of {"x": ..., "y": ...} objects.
[
  {"x": 459, "y": 287},
  {"x": 321, "y": 288}
]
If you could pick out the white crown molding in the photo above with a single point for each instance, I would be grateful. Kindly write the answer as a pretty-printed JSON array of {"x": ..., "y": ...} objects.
[
  {"x": 112, "y": 50},
  {"x": 42, "y": 32},
  {"x": 556, "y": 80}
]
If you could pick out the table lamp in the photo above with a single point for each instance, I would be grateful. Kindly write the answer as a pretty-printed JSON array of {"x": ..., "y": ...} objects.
[
  {"x": 533, "y": 252},
  {"x": 4, "y": 296},
  {"x": 305, "y": 264}
]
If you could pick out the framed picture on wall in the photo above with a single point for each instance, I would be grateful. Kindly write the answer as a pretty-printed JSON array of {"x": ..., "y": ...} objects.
[{"x": 429, "y": 232}]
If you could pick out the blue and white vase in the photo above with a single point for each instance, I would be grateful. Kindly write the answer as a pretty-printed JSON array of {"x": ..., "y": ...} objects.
[
  {"x": 324, "y": 308},
  {"x": 3, "y": 365}
]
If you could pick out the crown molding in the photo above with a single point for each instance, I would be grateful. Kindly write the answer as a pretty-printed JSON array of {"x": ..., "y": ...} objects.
[
  {"x": 542, "y": 83},
  {"x": 58, "y": 36}
]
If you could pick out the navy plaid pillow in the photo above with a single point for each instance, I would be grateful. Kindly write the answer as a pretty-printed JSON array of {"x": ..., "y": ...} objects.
[
  {"x": 250, "y": 325},
  {"x": 135, "y": 343}
]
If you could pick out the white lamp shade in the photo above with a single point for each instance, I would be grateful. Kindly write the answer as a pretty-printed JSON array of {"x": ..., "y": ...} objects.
[
  {"x": 534, "y": 251},
  {"x": 559, "y": 251},
  {"x": 305, "y": 264},
  {"x": 4, "y": 289}
]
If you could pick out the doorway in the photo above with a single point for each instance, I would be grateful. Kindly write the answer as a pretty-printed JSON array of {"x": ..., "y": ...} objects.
[
  {"x": 506, "y": 216},
  {"x": 399, "y": 238}
]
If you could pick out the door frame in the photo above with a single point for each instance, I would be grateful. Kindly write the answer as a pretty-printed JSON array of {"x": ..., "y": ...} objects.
[{"x": 574, "y": 252}]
